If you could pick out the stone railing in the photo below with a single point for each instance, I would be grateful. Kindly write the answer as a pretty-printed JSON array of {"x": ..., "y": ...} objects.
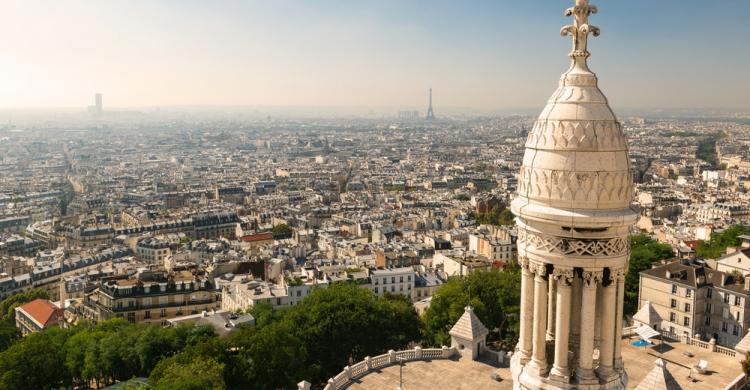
[
  {"x": 700, "y": 344},
  {"x": 356, "y": 371},
  {"x": 725, "y": 351}
]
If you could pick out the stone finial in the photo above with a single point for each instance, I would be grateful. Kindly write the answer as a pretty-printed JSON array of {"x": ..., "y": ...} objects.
[{"x": 580, "y": 28}]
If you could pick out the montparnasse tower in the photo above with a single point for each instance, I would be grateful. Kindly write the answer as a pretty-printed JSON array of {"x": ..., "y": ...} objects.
[{"x": 573, "y": 209}]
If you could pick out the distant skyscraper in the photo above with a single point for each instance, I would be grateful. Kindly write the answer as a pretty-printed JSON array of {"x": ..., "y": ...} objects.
[
  {"x": 98, "y": 108},
  {"x": 430, "y": 114}
]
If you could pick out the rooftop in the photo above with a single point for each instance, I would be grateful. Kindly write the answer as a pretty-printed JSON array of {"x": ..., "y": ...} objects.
[{"x": 438, "y": 374}]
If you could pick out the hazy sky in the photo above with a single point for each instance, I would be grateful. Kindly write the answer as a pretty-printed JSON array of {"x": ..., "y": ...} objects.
[{"x": 475, "y": 54}]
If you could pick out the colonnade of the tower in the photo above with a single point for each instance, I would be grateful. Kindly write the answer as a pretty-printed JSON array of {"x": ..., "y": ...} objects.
[{"x": 551, "y": 322}]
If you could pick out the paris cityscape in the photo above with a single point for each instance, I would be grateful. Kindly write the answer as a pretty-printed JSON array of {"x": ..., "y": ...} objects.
[{"x": 566, "y": 243}]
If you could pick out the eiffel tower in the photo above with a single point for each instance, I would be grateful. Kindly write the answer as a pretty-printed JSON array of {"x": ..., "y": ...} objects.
[{"x": 430, "y": 114}]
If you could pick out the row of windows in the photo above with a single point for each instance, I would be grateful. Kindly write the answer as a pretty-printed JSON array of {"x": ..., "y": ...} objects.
[
  {"x": 673, "y": 318},
  {"x": 709, "y": 294},
  {"x": 393, "y": 289},
  {"x": 393, "y": 279},
  {"x": 674, "y": 305}
]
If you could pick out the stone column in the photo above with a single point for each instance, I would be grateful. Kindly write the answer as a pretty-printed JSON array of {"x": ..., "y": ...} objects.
[
  {"x": 551, "y": 309},
  {"x": 527, "y": 311},
  {"x": 538, "y": 361},
  {"x": 585, "y": 370},
  {"x": 563, "y": 277},
  {"x": 607, "y": 345},
  {"x": 620, "y": 278}
]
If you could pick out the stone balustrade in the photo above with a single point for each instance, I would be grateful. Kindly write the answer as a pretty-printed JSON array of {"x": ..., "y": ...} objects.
[{"x": 358, "y": 370}]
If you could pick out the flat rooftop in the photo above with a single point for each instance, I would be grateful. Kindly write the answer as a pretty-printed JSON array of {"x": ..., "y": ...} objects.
[
  {"x": 464, "y": 374},
  {"x": 442, "y": 374},
  {"x": 639, "y": 361}
]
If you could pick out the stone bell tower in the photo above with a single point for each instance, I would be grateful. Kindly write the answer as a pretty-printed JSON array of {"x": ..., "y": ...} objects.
[{"x": 573, "y": 209}]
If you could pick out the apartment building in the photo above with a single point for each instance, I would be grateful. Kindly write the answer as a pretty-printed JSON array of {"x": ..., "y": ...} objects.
[
  {"x": 393, "y": 280},
  {"x": 151, "y": 297},
  {"x": 693, "y": 299}
]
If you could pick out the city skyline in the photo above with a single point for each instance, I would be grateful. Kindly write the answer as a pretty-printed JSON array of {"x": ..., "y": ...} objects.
[{"x": 480, "y": 56}]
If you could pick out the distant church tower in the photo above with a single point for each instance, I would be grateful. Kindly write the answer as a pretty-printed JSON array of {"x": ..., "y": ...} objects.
[
  {"x": 430, "y": 114},
  {"x": 573, "y": 214}
]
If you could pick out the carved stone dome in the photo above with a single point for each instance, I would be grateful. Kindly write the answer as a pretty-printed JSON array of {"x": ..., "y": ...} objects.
[{"x": 576, "y": 166}]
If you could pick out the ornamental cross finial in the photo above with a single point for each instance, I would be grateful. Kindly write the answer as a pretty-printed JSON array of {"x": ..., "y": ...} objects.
[{"x": 580, "y": 28}]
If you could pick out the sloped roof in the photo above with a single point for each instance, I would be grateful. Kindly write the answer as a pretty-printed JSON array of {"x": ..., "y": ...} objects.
[
  {"x": 41, "y": 311},
  {"x": 469, "y": 327},
  {"x": 647, "y": 315},
  {"x": 659, "y": 378}
]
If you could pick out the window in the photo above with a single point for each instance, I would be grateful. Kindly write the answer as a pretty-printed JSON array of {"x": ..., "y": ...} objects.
[
  {"x": 393, "y": 288},
  {"x": 673, "y": 304},
  {"x": 376, "y": 290},
  {"x": 375, "y": 281},
  {"x": 726, "y": 298},
  {"x": 408, "y": 278},
  {"x": 299, "y": 293},
  {"x": 163, "y": 313},
  {"x": 736, "y": 330},
  {"x": 674, "y": 289},
  {"x": 708, "y": 321},
  {"x": 708, "y": 308},
  {"x": 401, "y": 279},
  {"x": 686, "y": 321},
  {"x": 687, "y": 307},
  {"x": 737, "y": 300},
  {"x": 688, "y": 293},
  {"x": 723, "y": 326},
  {"x": 672, "y": 317},
  {"x": 147, "y": 314},
  {"x": 393, "y": 279},
  {"x": 385, "y": 280},
  {"x": 709, "y": 293},
  {"x": 737, "y": 316}
]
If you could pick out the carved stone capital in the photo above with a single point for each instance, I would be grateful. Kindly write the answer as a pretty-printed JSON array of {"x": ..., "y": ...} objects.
[
  {"x": 563, "y": 275},
  {"x": 539, "y": 269},
  {"x": 525, "y": 265},
  {"x": 592, "y": 278}
]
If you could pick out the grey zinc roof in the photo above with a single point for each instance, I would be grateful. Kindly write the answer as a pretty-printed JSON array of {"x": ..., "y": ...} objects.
[{"x": 469, "y": 327}]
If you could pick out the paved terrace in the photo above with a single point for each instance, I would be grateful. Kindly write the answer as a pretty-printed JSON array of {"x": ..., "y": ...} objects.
[
  {"x": 639, "y": 361},
  {"x": 437, "y": 374}
]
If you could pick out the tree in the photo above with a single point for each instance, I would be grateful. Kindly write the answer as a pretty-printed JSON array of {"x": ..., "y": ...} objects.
[
  {"x": 8, "y": 331},
  {"x": 718, "y": 244},
  {"x": 644, "y": 252},
  {"x": 197, "y": 374},
  {"x": 494, "y": 295},
  {"x": 281, "y": 231},
  {"x": 498, "y": 216},
  {"x": 35, "y": 362}
]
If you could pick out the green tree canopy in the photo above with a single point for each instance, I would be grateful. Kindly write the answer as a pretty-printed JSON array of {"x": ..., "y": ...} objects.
[
  {"x": 494, "y": 295},
  {"x": 644, "y": 252},
  {"x": 281, "y": 231},
  {"x": 719, "y": 242}
]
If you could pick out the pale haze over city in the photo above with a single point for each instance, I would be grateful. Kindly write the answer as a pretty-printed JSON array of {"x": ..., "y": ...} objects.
[
  {"x": 375, "y": 195},
  {"x": 480, "y": 55}
]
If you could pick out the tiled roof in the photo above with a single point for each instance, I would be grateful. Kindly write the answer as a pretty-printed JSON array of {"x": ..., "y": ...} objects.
[
  {"x": 41, "y": 311},
  {"x": 469, "y": 327}
]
